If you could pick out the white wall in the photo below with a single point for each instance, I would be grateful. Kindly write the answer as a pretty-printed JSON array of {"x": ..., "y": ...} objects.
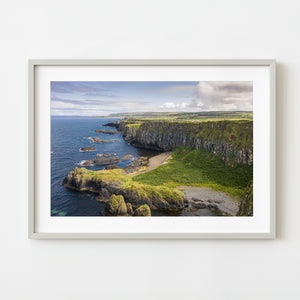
[{"x": 147, "y": 269}]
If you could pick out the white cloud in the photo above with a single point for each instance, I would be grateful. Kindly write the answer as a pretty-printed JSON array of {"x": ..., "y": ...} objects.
[
  {"x": 224, "y": 95},
  {"x": 173, "y": 105},
  {"x": 179, "y": 89}
]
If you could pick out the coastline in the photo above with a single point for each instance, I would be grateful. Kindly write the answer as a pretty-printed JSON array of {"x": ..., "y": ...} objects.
[{"x": 196, "y": 201}]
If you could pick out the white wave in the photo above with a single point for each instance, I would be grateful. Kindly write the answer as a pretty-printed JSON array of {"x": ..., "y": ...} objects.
[
  {"x": 89, "y": 138},
  {"x": 82, "y": 162}
]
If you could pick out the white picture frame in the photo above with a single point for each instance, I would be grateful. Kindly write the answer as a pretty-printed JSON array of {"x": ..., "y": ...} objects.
[{"x": 267, "y": 150}]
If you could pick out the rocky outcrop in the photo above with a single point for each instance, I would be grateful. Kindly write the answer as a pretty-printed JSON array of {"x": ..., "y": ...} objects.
[
  {"x": 137, "y": 163},
  {"x": 97, "y": 140},
  {"x": 116, "y": 206},
  {"x": 111, "y": 124},
  {"x": 102, "y": 161},
  {"x": 129, "y": 209},
  {"x": 109, "y": 182},
  {"x": 106, "y": 131},
  {"x": 232, "y": 140},
  {"x": 87, "y": 149},
  {"x": 106, "y": 155},
  {"x": 246, "y": 206},
  {"x": 127, "y": 157},
  {"x": 143, "y": 211},
  {"x": 112, "y": 167}
]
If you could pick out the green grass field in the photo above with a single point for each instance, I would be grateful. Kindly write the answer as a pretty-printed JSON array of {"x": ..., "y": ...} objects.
[
  {"x": 199, "y": 168},
  {"x": 185, "y": 116}
]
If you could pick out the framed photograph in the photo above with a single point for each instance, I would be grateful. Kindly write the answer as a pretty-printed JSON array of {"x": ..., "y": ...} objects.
[{"x": 152, "y": 149}]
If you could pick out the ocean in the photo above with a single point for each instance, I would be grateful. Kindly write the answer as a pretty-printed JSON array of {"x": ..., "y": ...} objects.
[{"x": 68, "y": 135}]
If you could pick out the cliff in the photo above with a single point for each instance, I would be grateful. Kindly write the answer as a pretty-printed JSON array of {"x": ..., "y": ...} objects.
[
  {"x": 116, "y": 182},
  {"x": 246, "y": 206},
  {"x": 232, "y": 140}
]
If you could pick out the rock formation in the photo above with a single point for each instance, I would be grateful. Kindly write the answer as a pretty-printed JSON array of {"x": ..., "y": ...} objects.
[
  {"x": 112, "y": 167},
  {"x": 109, "y": 182},
  {"x": 106, "y": 131},
  {"x": 127, "y": 157},
  {"x": 87, "y": 149},
  {"x": 137, "y": 163},
  {"x": 97, "y": 140},
  {"x": 129, "y": 209},
  {"x": 246, "y": 206},
  {"x": 116, "y": 206},
  {"x": 143, "y": 211},
  {"x": 102, "y": 161}
]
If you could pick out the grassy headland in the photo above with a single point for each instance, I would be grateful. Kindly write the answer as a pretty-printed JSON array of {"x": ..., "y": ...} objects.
[{"x": 119, "y": 180}]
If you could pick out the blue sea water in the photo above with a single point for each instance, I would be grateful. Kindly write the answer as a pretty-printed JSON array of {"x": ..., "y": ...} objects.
[{"x": 68, "y": 135}]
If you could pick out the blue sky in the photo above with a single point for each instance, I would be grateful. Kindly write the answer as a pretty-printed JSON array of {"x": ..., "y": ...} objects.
[{"x": 103, "y": 98}]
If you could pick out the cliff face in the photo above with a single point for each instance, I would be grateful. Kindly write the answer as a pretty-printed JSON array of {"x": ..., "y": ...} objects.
[
  {"x": 233, "y": 140},
  {"x": 246, "y": 206}
]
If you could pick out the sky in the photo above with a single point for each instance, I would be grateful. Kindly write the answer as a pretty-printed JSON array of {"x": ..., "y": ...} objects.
[{"x": 100, "y": 98}]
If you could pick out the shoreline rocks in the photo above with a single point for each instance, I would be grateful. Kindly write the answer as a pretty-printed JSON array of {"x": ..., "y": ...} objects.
[
  {"x": 137, "y": 163},
  {"x": 116, "y": 206},
  {"x": 107, "y": 155},
  {"x": 106, "y": 131},
  {"x": 127, "y": 157},
  {"x": 143, "y": 211},
  {"x": 87, "y": 149},
  {"x": 111, "y": 124},
  {"x": 112, "y": 167},
  {"x": 102, "y": 161},
  {"x": 97, "y": 140}
]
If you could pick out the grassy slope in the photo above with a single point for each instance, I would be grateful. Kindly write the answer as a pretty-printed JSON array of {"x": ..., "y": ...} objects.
[{"x": 199, "y": 168}]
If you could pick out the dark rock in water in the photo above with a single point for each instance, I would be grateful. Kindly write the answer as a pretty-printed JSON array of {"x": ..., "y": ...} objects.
[
  {"x": 97, "y": 140},
  {"x": 112, "y": 167},
  {"x": 103, "y": 196},
  {"x": 191, "y": 209},
  {"x": 129, "y": 209},
  {"x": 107, "y": 155},
  {"x": 127, "y": 157},
  {"x": 106, "y": 131},
  {"x": 113, "y": 124},
  {"x": 199, "y": 205},
  {"x": 139, "y": 162},
  {"x": 116, "y": 206},
  {"x": 246, "y": 206},
  {"x": 102, "y": 161},
  {"x": 143, "y": 211},
  {"x": 87, "y": 149}
]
